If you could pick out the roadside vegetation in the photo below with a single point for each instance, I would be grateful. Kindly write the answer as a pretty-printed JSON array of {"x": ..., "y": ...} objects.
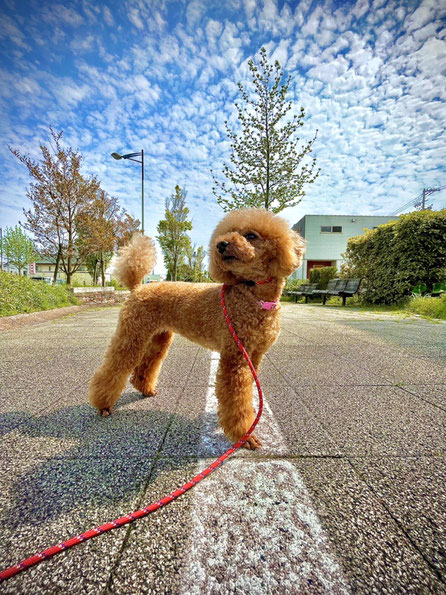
[
  {"x": 431, "y": 308},
  {"x": 20, "y": 295}
]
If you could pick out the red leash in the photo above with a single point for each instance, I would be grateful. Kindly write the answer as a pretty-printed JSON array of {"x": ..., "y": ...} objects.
[{"x": 129, "y": 518}]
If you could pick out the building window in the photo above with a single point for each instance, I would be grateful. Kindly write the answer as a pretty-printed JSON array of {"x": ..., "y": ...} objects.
[{"x": 331, "y": 228}]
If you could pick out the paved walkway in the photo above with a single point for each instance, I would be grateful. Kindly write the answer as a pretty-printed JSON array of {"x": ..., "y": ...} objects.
[{"x": 348, "y": 493}]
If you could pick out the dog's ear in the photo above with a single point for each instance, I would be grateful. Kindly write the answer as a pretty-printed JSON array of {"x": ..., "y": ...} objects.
[{"x": 289, "y": 254}]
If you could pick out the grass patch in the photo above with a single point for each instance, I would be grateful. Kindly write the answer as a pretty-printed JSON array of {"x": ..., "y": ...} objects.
[
  {"x": 432, "y": 308},
  {"x": 428, "y": 307},
  {"x": 21, "y": 295}
]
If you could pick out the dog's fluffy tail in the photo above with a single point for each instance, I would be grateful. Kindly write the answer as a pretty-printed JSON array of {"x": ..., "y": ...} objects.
[{"x": 135, "y": 260}]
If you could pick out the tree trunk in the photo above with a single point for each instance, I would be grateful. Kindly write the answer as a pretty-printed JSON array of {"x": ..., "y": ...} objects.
[
  {"x": 102, "y": 269},
  {"x": 56, "y": 268}
]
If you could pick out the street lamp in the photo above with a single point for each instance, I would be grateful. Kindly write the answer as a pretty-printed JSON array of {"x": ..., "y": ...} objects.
[{"x": 132, "y": 156}]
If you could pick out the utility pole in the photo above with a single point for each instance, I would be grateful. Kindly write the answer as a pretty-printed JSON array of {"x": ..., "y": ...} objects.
[{"x": 422, "y": 202}]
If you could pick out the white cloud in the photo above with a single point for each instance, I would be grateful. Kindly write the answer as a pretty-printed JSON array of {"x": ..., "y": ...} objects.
[
  {"x": 134, "y": 17},
  {"x": 213, "y": 30},
  {"x": 59, "y": 14},
  {"x": 108, "y": 16},
  {"x": 194, "y": 12}
]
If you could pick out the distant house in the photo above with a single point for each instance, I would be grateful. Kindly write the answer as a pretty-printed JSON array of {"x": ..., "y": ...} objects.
[
  {"x": 43, "y": 269},
  {"x": 152, "y": 278},
  {"x": 326, "y": 238}
]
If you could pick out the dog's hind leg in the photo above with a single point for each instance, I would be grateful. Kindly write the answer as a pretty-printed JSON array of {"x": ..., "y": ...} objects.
[
  {"x": 234, "y": 392},
  {"x": 145, "y": 376},
  {"x": 124, "y": 353}
]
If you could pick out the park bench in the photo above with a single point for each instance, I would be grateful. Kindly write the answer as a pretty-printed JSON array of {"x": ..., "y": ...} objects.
[
  {"x": 334, "y": 287},
  {"x": 351, "y": 287},
  {"x": 324, "y": 292},
  {"x": 299, "y": 292},
  {"x": 309, "y": 291},
  {"x": 343, "y": 288}
]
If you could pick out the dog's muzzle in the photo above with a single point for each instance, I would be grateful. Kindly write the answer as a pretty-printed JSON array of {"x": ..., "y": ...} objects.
[{"x": 221, "y": 247}]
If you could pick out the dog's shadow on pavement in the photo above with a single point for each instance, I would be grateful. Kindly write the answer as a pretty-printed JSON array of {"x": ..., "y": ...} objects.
[{"x": 78, "y": 458}]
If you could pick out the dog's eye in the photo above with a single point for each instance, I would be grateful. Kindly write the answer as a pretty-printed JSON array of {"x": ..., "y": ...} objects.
[{"x": 251, "y": 236}]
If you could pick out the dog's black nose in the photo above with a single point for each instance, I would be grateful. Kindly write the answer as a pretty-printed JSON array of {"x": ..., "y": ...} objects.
[{"x": 221, "y": 246}]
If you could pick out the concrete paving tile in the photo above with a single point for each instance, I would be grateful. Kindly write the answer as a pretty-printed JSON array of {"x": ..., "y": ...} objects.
[
  {"x": 411, "y": 370},
  {"x": 184, "y": 433},
  {"x": 300, "y": 429},
  {"x": 395, "y": 364},
  {"x": 306, "y": 351},
  {"x": 72, "y": 428},
  {"x": 155, "y": 549},
  {"x": 320, "y": 336},
  {"x": 18, "y": 404},
  {"x": 373, "y": 551},
  {"x": 313, "y": 371},
  {"x": 435, "y": 394},
  {"x": 412, "y": 490},
  {"x": 51, "y": 501},
  {"x": 377, "y": 420}
]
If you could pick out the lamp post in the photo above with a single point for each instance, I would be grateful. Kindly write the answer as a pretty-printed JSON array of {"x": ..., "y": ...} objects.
[{"x": 132, "y": 156}]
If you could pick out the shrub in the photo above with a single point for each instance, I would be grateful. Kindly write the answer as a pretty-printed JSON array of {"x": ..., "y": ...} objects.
[
  {"x": 432, "y": 307},
  {"x": 393, "y": 258},
  {"x": 20, "y": 295},
  {"x": 291, "y": 285},
  {"x": 322, "y": 275},
  {"x": 115, "y": 283}
]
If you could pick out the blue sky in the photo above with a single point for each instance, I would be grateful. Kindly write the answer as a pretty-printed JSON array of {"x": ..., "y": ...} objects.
[{"x": 162, "y": 75}]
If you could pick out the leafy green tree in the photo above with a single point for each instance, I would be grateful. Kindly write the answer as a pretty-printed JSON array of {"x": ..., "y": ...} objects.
[
  {"x": 125, "y": 227},
  {"x": 193, "y": 267},
  {"x": 58, "y": 195},
  {"x": 267, "y": 168},
  {"x": 172, "y": 232},
  {"x": 97, "y": 232},
  {"x": 18, "y": 248}
]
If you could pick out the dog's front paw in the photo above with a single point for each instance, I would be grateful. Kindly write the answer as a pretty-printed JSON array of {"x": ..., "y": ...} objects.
[
  {"x": 105, "y": 412},
  {"x": 149, "y": 393},
  {"x": 252, "y": 443}
]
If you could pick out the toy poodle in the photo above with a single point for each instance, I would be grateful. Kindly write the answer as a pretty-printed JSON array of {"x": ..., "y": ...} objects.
[{"x": 252, "y": 251}]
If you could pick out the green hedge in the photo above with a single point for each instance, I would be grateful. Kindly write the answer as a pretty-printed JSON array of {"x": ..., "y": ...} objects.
[
  {"x": 396, "y": 256},
  {"x": 322, "y": 275},
  {"x": 20, "y": 295}
]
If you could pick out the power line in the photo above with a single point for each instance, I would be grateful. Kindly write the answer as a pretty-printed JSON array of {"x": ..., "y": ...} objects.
[
  {"x": 407, "y": 205},
  {"x": 420, "y": 200}
]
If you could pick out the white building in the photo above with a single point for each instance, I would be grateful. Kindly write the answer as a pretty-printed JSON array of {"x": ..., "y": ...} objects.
[{"x": 326, "y": 238}]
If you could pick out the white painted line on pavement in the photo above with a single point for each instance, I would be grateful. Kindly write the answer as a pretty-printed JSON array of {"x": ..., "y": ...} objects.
[{"x": 254, "y": 529}]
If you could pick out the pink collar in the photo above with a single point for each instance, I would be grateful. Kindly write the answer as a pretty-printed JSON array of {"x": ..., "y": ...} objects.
[
  {"x": 268, "y": 305},
  {"x": 261, "y": 303}
]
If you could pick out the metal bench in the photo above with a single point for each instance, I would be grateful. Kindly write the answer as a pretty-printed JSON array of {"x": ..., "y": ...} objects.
[
  {"x": 309, "y": 291},
  {"x": 333, "y": 291},
  {"x": 323, "y": 292},
  {"x": 351, "y": 287},
  {"x": 299, "y": 293}
]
